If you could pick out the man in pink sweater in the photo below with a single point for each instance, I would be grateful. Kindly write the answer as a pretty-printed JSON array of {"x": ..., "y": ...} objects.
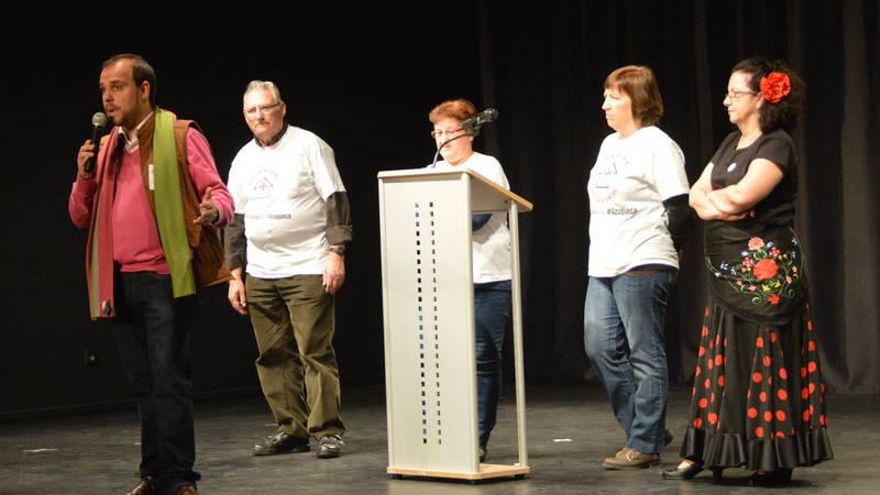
[{"x": 153, "y": 206}]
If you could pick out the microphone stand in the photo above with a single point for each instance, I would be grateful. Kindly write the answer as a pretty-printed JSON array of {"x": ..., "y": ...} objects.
[{"x": 471, "y": 132}]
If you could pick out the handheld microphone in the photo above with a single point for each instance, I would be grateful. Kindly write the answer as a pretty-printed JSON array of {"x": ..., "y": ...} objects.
[
  {"x": 99, "y": 121},
  {"x": 484, "y": 117}
]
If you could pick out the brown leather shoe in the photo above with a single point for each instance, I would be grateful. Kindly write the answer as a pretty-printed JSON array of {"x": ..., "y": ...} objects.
[
  {"x": 145, "y": 487},
  {"x": 628, "y": 458},
  {"x": 186, "y": 490}
]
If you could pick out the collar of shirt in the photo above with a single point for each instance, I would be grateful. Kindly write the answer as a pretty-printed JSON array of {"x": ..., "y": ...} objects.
[
  {"x": 274, "y": 139},
  {"x": 132, "y": 144}
]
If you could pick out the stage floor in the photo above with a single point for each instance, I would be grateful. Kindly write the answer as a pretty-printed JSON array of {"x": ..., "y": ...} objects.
[{"x": 570, "y": 430}]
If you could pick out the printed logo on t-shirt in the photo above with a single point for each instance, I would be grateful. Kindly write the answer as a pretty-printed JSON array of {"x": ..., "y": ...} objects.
[
  {"x": 263, "y": 184},
  {"x": 603, "y": 181}
]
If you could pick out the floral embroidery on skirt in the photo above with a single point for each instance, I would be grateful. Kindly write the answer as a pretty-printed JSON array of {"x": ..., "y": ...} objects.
[{"x": 758, "y": 395}]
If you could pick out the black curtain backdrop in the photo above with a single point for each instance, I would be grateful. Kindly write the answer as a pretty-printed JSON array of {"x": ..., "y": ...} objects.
[
  {"x": 544, "y": 66},
  {"x": 363, "y": 76}
]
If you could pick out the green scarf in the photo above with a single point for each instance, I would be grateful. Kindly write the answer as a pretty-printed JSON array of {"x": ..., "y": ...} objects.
[{"x": 169, "y": 206}]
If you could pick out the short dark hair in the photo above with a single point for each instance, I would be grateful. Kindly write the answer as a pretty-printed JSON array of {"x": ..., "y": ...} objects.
[
  {"x": 639, "y": 83},
  {"x": 141, "y": 71},
  {"x": 784, "y": 113}
]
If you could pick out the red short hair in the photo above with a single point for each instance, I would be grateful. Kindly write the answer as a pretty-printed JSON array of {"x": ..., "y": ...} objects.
[{"x": 459, "y": 109}]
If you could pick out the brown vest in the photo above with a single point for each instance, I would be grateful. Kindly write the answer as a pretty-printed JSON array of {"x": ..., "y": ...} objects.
[{"x": 208, "y": 262}]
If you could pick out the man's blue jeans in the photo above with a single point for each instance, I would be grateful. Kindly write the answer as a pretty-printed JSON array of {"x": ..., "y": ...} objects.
[
  {"x": 152, "y": 332},
  {"x": 492, "y": 315},
  {"x": 623, "y": 336}
]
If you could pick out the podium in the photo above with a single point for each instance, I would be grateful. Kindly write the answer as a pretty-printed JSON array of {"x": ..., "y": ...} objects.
[{"x": 428, "y": 305}]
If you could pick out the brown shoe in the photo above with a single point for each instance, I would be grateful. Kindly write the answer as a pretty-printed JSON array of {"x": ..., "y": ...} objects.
[
  {"x": 186, "y": 490},
  {"x": 621, "y": 451},
  {"x": 628, "y": 458},
  {"x": 145, "y": 487}
]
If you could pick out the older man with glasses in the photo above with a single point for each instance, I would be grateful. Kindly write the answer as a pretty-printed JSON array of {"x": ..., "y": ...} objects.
[{"x": 289, "y": 231}]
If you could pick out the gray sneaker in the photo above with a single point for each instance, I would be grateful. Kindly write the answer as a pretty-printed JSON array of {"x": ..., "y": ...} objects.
[
  {"x": 330, "y": 447},
  {"x": 281, "y": 443}
]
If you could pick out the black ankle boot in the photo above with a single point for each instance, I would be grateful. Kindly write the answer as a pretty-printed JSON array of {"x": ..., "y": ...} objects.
[{"x": 771, "y": 478}]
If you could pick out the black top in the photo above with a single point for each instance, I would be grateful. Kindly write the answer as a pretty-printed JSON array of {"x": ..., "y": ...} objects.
[{"x": 730, "y": 166}]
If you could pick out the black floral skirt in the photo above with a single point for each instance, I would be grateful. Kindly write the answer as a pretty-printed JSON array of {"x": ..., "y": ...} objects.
[{"x": 758, "y": 395}]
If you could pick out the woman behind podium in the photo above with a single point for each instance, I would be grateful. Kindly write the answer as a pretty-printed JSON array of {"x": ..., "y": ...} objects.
[
  {"x": 491, "y": 256},
  {"x": 638, "y": 219}
]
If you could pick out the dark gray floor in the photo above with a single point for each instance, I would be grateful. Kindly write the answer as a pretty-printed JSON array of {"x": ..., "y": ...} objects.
[{"x": 98, "y": 454}]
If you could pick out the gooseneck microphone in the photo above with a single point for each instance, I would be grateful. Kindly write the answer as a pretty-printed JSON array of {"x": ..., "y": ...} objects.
[
  {"x": 484, "y": 117},
  {"x": 99, "y": 122},
  {"x": 472, "y": 126}
]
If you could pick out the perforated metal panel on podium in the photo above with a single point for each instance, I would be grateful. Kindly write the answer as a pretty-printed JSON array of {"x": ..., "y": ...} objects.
[{"x": 428, "y": 302}]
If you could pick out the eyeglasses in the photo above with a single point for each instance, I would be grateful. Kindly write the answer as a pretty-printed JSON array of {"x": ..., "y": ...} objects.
[
  {"x": 253, "y": 111},
  {"x": 737, "y": 94},
  {"x": 442, "y": 133}
]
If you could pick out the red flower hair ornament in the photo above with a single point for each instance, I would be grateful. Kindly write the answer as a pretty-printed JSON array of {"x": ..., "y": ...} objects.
[{"x": 775, "y": 86}]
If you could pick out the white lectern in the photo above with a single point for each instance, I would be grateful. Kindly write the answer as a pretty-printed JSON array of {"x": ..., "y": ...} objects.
[{"x": 428, "y": 303}]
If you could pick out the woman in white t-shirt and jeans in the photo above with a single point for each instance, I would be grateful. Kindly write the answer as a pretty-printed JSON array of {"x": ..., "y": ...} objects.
[
  {"x": 491, "y": 257},
  {"x": 638, "y": 218}
]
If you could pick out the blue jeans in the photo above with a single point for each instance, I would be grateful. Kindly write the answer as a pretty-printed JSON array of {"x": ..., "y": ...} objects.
[
  {"x": 492, "y": 315},
  {"x": 152, "y": 332},
  {"x": 623, "y": 336}
]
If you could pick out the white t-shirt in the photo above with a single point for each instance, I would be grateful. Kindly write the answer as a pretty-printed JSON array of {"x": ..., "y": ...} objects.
[
  {"x": 490, "y": 243},
  {"x": 281, "y": 191},
  {"x": 631, "y": 178}
]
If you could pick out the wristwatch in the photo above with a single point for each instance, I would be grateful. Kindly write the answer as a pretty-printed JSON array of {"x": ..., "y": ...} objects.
[{"x": 340, "y": 249}]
